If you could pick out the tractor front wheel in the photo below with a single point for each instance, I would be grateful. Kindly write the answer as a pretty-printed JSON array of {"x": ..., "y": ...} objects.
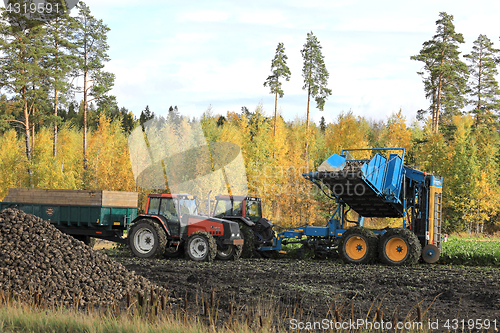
[
  {"x": 201, "y": 246},
  {"x": 358, "y": 245},
  {"x": 399, "y": 246}
]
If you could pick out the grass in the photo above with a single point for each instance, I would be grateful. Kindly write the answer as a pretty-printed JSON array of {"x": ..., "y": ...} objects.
[
  {"x": 25, "y": 314},
  {"x": 17, "y": 317}
]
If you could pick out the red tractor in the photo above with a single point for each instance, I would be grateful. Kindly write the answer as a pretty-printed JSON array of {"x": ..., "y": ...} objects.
[
  {"x": 172, "y": 225},
  {"x": 247, "y": 211}
]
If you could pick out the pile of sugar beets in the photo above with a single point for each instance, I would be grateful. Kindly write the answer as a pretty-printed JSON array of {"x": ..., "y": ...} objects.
[{"x": 38, "y": 259}]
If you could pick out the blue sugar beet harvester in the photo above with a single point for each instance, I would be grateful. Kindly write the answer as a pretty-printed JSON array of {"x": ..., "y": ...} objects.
[{"x": 380, "y": 186}]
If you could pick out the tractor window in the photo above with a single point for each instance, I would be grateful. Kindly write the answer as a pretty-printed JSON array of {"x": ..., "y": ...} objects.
[
  {"x": 188, "y": 206},
  {"x": 222, "y": 208},
  {"x": 237, "y": 208},
  {"x": 154, "y": 205},
  {"x": 167, "y": 209},
  {"x": 254, "y": 212}
]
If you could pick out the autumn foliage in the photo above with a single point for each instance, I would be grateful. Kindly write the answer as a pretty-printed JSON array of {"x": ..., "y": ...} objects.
[{"x": 467, "y": 159}]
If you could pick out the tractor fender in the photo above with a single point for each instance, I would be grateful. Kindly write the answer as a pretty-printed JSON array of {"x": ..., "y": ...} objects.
[
  {"x": 157, "y": 218},
  {"x": 265, "y": 223}
]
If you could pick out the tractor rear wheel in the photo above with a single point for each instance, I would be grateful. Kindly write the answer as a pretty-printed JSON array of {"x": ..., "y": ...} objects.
[
  {"x": 147, "y": 239},
  {"x": 399, "y": 246},
  {"x": 248, "y": 236},
  {"x": 229, "y": 252},
  {"x": 358, "y": 245},
  {"x": 201, "y": 246}
]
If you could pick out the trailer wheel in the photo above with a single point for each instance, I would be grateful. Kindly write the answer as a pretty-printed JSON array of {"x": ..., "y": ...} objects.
[
  {"x": 147, "y": 239},
  {"x": 229, "y": 252},
  {"x": 201, "y": 246},
  {"x": 399, "y": 246},
  {"x": 358, "y": 245}
]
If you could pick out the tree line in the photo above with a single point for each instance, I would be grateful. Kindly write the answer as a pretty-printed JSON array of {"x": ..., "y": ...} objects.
[{"x": 50, "y": 140}]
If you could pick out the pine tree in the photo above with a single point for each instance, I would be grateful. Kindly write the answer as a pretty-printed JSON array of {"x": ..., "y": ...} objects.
[
  {"x": 59, "y": 61},
  {"x": 322, "y": 124},
  {"x": 483, "y": 88},
  {"x": 444, "y": 74},
  {"x": 315, "y": 79},
  {"x": 146, "y": 115},
  {"x": 315, "y": 74},
  {"x": 279, "y": 70},
  {"x": 21, "y": 76},
  {"x": 92, "y": 47}
]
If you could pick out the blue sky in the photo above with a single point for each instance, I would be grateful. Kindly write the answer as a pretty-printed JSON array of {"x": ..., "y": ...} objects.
[{"x": 196, "y": 54}]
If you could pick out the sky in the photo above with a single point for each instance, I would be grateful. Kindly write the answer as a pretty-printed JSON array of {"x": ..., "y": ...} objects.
[{"x": 201, "y": 54}]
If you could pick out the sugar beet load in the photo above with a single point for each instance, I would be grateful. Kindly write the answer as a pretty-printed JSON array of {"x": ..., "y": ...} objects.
[{"x": 379, "y": 186}]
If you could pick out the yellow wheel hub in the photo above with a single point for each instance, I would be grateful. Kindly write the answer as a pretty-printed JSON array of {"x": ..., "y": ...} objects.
[
  {"x": 355, "y": 247},
  {"x": 396, "y": 249}
]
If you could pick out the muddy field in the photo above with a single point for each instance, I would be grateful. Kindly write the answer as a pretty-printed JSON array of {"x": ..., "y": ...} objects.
[{"x": 317, "y": 287}]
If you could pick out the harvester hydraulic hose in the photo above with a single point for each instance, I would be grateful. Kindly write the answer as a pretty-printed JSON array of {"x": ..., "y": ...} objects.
[{"x": 321, "y": 188}]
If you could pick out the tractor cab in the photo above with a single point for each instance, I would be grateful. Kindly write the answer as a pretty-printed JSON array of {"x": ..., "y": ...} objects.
[
  {"x": 175, "y": 208},
  {"x": 237, "y": 205}
]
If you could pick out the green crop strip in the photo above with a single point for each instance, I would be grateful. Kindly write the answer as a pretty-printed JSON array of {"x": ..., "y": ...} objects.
[{"x": 471, "y": 252}]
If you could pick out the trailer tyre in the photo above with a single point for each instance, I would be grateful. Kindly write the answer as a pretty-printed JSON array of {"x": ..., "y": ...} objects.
[
  {"x": 229, "y": 252},
  {"x": 201, "y": 246},
  {"x": 358, "y": 245},
  {"x": 398, "y": 247},
  {"x": 147, "y": 239}
]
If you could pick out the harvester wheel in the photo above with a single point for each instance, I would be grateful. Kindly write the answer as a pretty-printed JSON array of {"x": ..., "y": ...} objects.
[
  {"x": 399, "y": 246},
  {"x": 147, "y": 239},
  {"x": 229, "y": 252},
  {"x": 431, "y": 253},
  {"x": 358, "y": 245},
  {"x": 248, "y": 236},
  {"x": 201, "y": 246}
]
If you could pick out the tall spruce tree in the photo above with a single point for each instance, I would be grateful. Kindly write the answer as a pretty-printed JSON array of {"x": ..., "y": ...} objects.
[
  {"x": 444, "y": 74},
  {"x": 21, "y": 76},
  {"x": 483, "y": 90},
  {"x": 91, "y": 50},
  {"x": 279, "y": 69}
]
